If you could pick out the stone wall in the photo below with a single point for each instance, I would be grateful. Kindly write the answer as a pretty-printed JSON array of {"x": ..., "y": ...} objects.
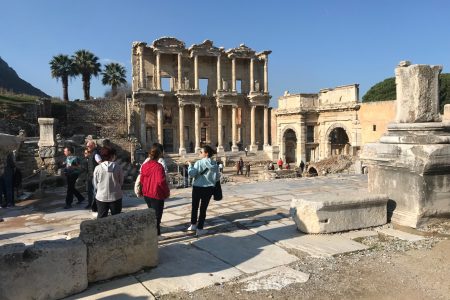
[
  {"x": 374, "y": 118},
  {"x": 101, "y": 118}
]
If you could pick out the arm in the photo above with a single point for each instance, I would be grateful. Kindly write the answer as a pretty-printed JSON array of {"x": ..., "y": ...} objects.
[{"x": 193, "y": 169}]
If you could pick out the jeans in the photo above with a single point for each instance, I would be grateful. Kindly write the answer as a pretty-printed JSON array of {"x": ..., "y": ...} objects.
[
  {"x": 158, "y": 206},
  {"x": 105, "y": 207},
  {"x": 200, "y": 196}
]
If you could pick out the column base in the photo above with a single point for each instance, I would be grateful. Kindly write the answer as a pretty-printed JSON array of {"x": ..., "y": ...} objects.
[
  {"x": 267, "y": 147},
  {"x": 182, "y": 151},
  {"x": 220, "y": 150},
  {"x": 234, "y": 148},
  {"x": 253, "y": 148}
]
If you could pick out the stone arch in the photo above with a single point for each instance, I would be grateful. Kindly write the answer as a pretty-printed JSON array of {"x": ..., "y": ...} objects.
[
  {"x": 289, "y": 144},
  {"x": 337, "y": 140}
]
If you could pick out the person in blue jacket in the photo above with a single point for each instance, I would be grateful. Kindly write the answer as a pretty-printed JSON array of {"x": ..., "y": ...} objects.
[{"x": 205, "y": 174}]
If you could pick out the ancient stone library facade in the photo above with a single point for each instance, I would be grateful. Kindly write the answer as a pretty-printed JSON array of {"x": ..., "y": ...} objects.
[{"x": 187, "y": 97}]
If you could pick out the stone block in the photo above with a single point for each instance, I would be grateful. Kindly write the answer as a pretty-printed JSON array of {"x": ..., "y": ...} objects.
[
  {"x": 47, "y": 132},
  {"x": 120, "y": 244},
  {"x": 446, "y": 116},
  {"x": 339, "y": 212},
  {"x": 417, "y": 93},
  {"x": 45, "y": 270}
]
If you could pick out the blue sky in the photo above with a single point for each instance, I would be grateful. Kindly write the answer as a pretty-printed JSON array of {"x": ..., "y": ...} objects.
[{"x": 315, "y": 44}]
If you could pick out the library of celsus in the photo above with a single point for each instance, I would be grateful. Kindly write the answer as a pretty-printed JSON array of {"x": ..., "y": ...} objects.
[{"x": 186, "y": 97}]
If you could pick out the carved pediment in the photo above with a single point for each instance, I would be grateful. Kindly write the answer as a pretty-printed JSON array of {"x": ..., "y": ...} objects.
[
  {"x": 205, "y": 48},
  {"x": 241, "y": 52},
  {"x": 168, "y": 43}
]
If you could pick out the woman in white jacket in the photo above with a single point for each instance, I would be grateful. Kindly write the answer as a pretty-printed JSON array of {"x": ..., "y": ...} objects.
[{"x": 108, "y": 180}]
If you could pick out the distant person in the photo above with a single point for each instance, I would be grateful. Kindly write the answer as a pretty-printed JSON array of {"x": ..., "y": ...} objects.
[
  {"x": 154, "y": 184},
  {"x": 72, "y": 169},
  {"x": 108, "y": 180},
  {"x": 247, "y": 169},
  {"x": 302, "y": 166},
  {"x": 288, "y": 167},
  {"x": 220, "y": 164},
  {"x": 246, "y": 151},
  {"x": 241, "y": 166},
  {"x": 280, "y": 164},
  {"x": 205, "y": 174},
  {"x": 7, "y": 182}
]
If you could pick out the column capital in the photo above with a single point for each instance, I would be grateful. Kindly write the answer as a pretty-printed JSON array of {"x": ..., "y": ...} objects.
[
  {"x": 220, "y": 105},
  {"x": 197, "y": 105},
  {"x": 181, "y": 104}
]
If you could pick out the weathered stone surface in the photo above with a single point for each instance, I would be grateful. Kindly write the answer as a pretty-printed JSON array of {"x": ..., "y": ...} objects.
[
  {"x": 339, "y": 212},
  {"x": 46, "y": 270},
  {"x": 417, "y": 93},
  {"x": 120, "y": 244},
  {"x": 446, "y": 117},
  {"x": 47, "y": 132},
  {"x": 401, "y": 235},
  {"x": 275, "y": 279}
]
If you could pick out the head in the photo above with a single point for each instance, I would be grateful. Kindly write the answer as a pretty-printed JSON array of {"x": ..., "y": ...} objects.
[
  {"x": 90, "y": 145},
  {"x": 160, "y": 147},
  {"x": 206, "y": 151},
  {"x": 68, "y": 150},
  {"x": 106, "y": 154},
  {"x": 86, "y": 152},
  {"x": 155, "y": 152}
]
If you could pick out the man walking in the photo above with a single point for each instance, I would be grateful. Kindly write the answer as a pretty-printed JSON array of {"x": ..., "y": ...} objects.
[{"x": 72, "y": 171}]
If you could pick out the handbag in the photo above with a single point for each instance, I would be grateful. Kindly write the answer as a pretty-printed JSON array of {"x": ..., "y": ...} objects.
[
  {"x": 138, "y": 186},
  {"x": 217, "y": 195}
]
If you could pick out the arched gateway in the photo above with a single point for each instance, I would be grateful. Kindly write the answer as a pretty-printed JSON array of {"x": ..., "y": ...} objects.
[
  {"x": 290, "y": 146},
  {"x": 339, "y": 142}
]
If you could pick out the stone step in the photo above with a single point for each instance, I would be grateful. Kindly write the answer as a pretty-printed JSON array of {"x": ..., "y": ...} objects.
[{"x": 401, "y": 235}]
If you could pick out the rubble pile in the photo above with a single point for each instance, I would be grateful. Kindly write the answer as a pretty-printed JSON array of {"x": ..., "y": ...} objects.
[{"x": 332, "y": 165}]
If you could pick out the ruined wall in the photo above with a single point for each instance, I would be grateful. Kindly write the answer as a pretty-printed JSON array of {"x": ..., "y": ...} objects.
[
  {"x": 102, "y": 118},
  {"x": 341, "y": 94},
  {"x": 374, "y": 118}
]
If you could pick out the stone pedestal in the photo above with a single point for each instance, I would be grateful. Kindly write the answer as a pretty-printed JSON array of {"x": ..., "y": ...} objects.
[
  {"x": 234, "y": 149},
  {"x": 253, "y": 148},
  {"x": 411, "y": 163},
  {"x": 47, "y": 143}
]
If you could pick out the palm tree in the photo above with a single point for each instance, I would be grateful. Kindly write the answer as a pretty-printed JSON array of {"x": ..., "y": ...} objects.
[
  {"x": 61, "y": 66},
  {"x": 114, "y": 75},
  {"x": 86, "y": 65}
]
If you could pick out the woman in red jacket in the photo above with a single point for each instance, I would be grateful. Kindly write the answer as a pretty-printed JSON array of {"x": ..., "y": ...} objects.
[{"x": 154, "y": 185}]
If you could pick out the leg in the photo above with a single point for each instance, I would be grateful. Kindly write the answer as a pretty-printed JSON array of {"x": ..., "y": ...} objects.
[
  {"x": 195, "y": 203},
  {"x": 70, "y": 188},
  {"x": 103, "y": 208},
  {"x": 90, "y": 192},
  {"x": 206, "y": 196},
  {"x": 116, "y": 207},
  {"x": 76, "y": 192},
  {"x": 158, "y": 206}
]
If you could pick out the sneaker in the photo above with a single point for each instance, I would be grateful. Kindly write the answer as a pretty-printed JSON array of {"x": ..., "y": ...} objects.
[
  {"x": 68, "y": 207},
  {"x": 201, "y": 232},
  {"x": 193, "y": 227},
  {"x": 94, "y": 214}
]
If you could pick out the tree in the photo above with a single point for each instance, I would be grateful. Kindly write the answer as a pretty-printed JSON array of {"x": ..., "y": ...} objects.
[
  {"x": 61, "y": 66},
  {"x": 86, "y": 65},
  {"x": 386, "y": 90},
  {"x": 114, "y": 75}
]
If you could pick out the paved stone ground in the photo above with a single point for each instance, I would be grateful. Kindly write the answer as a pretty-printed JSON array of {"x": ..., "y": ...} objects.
[{"x": 250, "y": 237}]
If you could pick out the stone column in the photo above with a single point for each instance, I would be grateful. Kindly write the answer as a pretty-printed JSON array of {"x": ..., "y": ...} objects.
[
  {"x": 301, "y": 142},
  {"x": 252, "y": 80},
  {"x": 182, "y": 150},
  {"x": 143, "y": 127},
  {"x": 417, "y": 93},
  {"x": 266, "y": 74},
  {"x": 159, "y": 117},
  {"x": 196, "y": 72},
  {"x": 180, "y": 57},
  {"x": 233, "y": 74},
  {"x": 266, "y": 126},
  {"x": 219, "y": 129},
  {"x": 197, "y": 128},
  {"x": 219, "y": 76},
  {"x": 234, "y": 146},
  {"x": 158, "y": 71},
  {"x": 253, "y": 146},
  {"x": 141, "y": 67}
]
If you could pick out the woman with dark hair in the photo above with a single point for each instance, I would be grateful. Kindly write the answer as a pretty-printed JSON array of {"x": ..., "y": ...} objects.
[
  {"x": 205, "y": 174},
  {"x": 154, "y": 185},
  {"x": 108, "y": 180}
]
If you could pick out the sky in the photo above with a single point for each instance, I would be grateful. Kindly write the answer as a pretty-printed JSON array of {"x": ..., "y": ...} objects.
[{"x": 315, "y": 44}]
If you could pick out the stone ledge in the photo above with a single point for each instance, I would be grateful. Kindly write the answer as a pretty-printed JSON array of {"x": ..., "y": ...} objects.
[
  {"x": 45, "y": 270},
  {"x": 339, "y": 212}
]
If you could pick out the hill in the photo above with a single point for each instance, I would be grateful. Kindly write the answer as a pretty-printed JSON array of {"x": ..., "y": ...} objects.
[
  {"x": 10, "y": 81},
  {"x": 385, "y": 90}
]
